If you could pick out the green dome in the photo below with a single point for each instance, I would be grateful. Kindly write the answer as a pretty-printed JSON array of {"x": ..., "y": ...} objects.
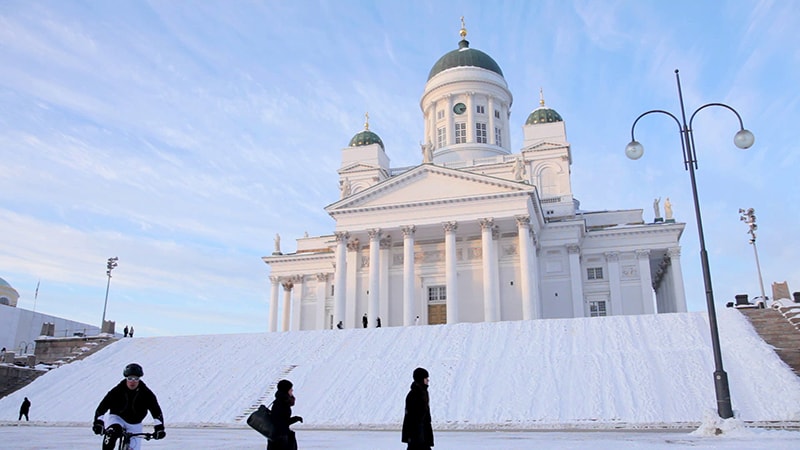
[
  {"x": 465, "y": 57},
  {"x": 543, "y": 115},
  {"x": 365, "y": 137}
]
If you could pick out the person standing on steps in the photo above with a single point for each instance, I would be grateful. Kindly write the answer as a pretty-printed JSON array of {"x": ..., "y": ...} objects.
[
  {"x": 125, "y": 330},
  {"x": 283, "y": 437},
  {"x": 364, "y": 320},
  {"x": 417, "y": 430}
]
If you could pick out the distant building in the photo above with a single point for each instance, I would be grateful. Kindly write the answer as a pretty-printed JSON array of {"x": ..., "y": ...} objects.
[
  {"x": 8, "y": 295},
  {"x": 19, "y": 327},
  {"x": 475, "y": 232}
]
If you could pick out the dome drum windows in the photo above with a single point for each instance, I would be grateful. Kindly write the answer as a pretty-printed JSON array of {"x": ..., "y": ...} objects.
[
  {"x": 480, "y": 133},
  {"x": 441, "y": 137},
  {"x": 480, "y": 109},
  {"x": 461, "y": 133}
]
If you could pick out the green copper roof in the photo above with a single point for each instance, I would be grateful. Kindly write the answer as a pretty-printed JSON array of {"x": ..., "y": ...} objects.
[
  {"x": 365, "y": 137},
  {"x": 543, "y": 115},
  {"x": 462, "y": 57}
]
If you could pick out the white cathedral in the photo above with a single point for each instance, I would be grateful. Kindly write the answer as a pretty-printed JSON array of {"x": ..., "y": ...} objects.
[{"x": 475, "y": 233}]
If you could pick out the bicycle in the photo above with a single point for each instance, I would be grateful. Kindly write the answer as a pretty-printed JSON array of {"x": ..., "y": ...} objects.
[{"x": 125, "y": 442}]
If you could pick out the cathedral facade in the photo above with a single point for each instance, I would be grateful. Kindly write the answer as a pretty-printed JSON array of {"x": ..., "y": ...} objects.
[{"x": 476, "y": 232}]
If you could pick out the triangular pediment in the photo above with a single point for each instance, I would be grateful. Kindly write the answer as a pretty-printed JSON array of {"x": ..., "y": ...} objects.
[
  {"x": 545, "y": 146},
  {"x": 357, "y": 167},
  {"x": 430, "y": 184}
]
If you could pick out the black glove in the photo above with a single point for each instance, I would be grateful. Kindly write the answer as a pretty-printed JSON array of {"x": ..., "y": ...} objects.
[
  {"x": 296, "y": 419},
  {"x": 97, "y": 427},
  {"x": 158, "y": 432}
]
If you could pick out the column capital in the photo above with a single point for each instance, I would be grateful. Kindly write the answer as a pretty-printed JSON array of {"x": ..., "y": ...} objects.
[
  {"x": 374, "y": 233},
  {"x": 486, "y": 223},
  {"x": 274, "y": 279},
  {"x": 674, "y": 252},
  {"x": 408, "y": 230},
  {"x": 354, "y": 245},
  {"x": 573, "y": 249},
  {"x": 523, "y": 221},
  {"x": 642, "y": 253},
  {"x": 450, "y": 226},
  {"x": 611, "y": 256},
  {"x": 297, "y": 279},
  {"x": 287, "y": 285},
  {"x": 341, "y": 236},
  {"x": 322, "y": 277}
]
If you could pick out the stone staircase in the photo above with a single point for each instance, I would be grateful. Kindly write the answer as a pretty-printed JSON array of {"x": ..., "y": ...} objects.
[
  {"x": 777, "y": 331},
  {"x": 265, "y": 398}
]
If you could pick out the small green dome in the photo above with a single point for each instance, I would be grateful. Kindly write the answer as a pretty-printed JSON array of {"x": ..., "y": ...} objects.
[
  {"x": 543, "y": 115},
  {"x": 465, "y": 57},
  {"x": 365, "y": 137}
]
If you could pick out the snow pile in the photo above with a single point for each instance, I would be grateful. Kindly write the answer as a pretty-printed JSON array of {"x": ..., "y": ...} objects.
[{"x": 612, "y": 372}]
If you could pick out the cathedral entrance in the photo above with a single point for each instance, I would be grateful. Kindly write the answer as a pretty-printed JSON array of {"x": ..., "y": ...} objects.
[
  {"x": 437, "y": 314},
  {"x": 437, "y": 306}
]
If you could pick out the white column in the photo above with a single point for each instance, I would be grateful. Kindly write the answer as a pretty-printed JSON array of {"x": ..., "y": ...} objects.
[
  {"x": 374, "y": 276},
  {"x": 352, "y": 318},
  {"x": 648, "y": 300},
  {"x": 273, "y": 303},
  {"x": 679, "y": 293},
  {"x": 287, "y": 304},
  {"x": 408, "y": 275},
  {"x": 451, "y": 276},
  {"x": 576, "y": 279},
  {"x": 386, "y": 257},
  {"x": 470, "y": 117},
  {"x": 322, "y": 288},
  {"x": 491, "y": 288},
  {"x": 492, "y": 125},
  {"x": 297, "y": 302},
  {"x": 527, "y": 275},
  {"x": 451, "y": 122},
  {"x": 340, "y": 277},
  {"x": 612, "y": 260}
]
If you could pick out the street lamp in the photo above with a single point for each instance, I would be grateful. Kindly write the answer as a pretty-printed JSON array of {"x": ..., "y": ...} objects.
[
  {"x": 748, "y": 216},
  {"x": 743, "y": 139},
  {"x": 110, "y": 265}
]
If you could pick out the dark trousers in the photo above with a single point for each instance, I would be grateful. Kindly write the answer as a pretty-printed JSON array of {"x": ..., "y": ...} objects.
[{"x": 23, "y": 414}]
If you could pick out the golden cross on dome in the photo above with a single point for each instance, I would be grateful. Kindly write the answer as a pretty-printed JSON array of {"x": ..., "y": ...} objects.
[
  {"x": 366, "y": 121},
  {"x": 541, "y": 97},
  {"x": 463, "y": 31}
]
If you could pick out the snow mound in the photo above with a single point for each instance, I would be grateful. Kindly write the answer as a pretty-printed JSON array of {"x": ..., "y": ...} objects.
[{"x": 629, "y": 372}]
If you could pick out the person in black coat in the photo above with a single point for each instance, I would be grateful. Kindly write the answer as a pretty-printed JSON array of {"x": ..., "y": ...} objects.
[
  {"x": 24, "y": 408},
  {"x": 417, "y": 429},
  {"x": 283, "y": 438},
  {"x": 127, "y": 404}
]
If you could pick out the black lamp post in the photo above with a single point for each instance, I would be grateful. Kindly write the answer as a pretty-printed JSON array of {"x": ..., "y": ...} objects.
[
  {"x": 743, "y": 139},
  {"x": 110, "y": 265}
]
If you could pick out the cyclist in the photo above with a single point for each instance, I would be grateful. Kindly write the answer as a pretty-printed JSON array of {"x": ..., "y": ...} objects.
[{"x": 127, "y": 404}]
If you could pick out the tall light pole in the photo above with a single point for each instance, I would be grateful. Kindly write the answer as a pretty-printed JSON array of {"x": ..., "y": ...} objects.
[
  {"x": 748, "y": 216},
  {"x": 743, "y": 139},
  {"x": 110, "y": 265}
]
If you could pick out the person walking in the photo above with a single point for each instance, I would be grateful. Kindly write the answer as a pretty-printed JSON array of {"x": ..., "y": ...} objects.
[
  {"x": 127, "y": 404},
  {"x": 417, "y": 430},
  {"x": 24, "y": 409},
  {"x": 283, "y": 437},
  {"x": 125, "y": 330}
]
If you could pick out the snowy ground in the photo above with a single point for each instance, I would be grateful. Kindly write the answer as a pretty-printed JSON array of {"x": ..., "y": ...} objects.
[
  {"x": 633, "y": 372},
  {"x": 44, "y": 438}
]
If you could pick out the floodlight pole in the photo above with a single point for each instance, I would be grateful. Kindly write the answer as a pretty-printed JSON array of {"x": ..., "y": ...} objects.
[{"x": 110, "y": 265}]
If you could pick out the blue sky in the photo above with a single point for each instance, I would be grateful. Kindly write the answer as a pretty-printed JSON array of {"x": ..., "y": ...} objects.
[{"x": 180, "y": 136}]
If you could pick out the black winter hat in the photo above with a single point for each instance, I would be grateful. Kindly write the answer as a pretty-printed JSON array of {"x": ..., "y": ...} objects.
[
  {"x": 284, "y": 385},
  {"x": 420, "y": 374}
]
